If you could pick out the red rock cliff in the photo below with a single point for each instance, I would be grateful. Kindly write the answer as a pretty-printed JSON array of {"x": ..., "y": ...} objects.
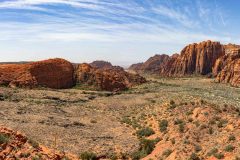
[{"x": 52, "y": 73}]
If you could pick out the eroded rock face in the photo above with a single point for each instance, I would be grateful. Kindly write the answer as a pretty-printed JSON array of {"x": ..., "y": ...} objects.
[
  {"x": 101, "y": 64},
  {"x": 110, "y": 79},
  {"x": 230, "y": 72},
  {"x": 136, "y": 67},
  {"x": 52, "y": 73},
  {"x": 197, "y": 58},
  {"x": 221, "y": 62},
  {"x": 152, "y": 65}
]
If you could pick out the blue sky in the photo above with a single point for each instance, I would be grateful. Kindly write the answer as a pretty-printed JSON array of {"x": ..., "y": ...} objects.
[{"x": 120, "y": 31}]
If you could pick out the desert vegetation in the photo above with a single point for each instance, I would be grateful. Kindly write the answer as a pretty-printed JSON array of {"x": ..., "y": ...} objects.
[{"x": 149, "y": 121}]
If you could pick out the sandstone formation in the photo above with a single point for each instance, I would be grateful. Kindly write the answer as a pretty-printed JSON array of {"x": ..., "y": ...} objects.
[
  {"x": 230, "y": 74},
  {"x": 135, "y": 67},
  {"x": 152, "y": 65},
  {"x": 194, "y": 59},
  {"x": 197, "y": 58},
  {"x": 230, "y": 55},
  {"x": 203, "y": 58},
  {"x": 101, "y": 64},
  {"x": 110, "y": 79},
  {"x": 52, "y": 73},
  {"x": 14, "y": 145}
]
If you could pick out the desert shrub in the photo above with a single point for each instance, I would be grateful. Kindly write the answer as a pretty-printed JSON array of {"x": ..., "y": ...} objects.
[
  {"x": 190, "y": 119},
  {"x": 210, "y": 130},
  {"x": 163, "y": 124},
  {"x": 93, "y": 121},
  {"x": 229, "y": 148},
  {"x": 4, "y": 138},
  {"x": 178, "y": 121},
  {"x": 24, "y": 155},
  {"x": 88, "y": 156},
  {"x": 192, "y": 103},
  {"x": 222, "y": 122},
  {"x": 145, "y": 132},
  {"x": 167, "y": 152},
  {"x": 146, "y": 147},
  {"x": 194, "y": 156},
  {"x": 38, "y": 158},
  {"x": 203, "y": 126},
  {"x": 186, "y": 141},
  {"x": 126, "y": 120},
  {"x": 172, "y": 102},
  {"x": 212, "y": 152},
  {"x": 181, "y": 127},
  {"x": 231, "y": 138},
  {"x": 173, "y": 141},
  {"x": 237, "y": 158},
  {"x": 219, "y": 155},
  {"x": 33, "y": 143},
  {"x": 197, "y": 148}
]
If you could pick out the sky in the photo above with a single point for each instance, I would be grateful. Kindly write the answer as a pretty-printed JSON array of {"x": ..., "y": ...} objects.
[{"x": 120, "y": 31}]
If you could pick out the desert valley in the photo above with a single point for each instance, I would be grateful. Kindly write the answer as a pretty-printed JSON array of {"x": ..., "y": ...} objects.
[{"x": 185, "y": 107}]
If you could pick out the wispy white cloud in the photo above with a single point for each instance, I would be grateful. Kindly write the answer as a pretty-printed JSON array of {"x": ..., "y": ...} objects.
[{"x": 105, "y": 21}]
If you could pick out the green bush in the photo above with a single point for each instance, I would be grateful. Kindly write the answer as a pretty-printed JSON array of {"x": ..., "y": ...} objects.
[
  {"x": 194, "y": 156},
  {"x": 167, "y": 152},
  {"x": 229, "y": 148},
  {"x": 219, "y": 155},
  {"x": 4, "y": 138},
  {"x": 212, "y": 152},
  {"x": 198, "y": 148},
  {"x": 231, "y": 138},
  {"x": 181, "y": 127},
  {"x": 146, "y": 147},
  {"x": 88, "y": 156},
  {"x": 33, "y": 143},
  {"x": 163, "y": 124},
  {"x": 145, "y": 132},
  {"x": 178, "y": 121}
]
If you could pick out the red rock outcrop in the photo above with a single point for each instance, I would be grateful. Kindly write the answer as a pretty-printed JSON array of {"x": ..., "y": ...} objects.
[
  {"x": 152, "y": 65},
  {"x": 227, "y": 68},
  {"x": 135, "y": 67},
  {"x": 110, "y": 79},
  {"x": 197, "y": 59},
  {"x": 101, "y": 64},
  {"x": 15, "y": 145},
  {"x": 52, "y": 73},
  {"x": 221, "y": 62}
]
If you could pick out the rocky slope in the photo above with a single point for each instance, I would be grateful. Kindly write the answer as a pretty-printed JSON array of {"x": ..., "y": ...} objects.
[
  {"x": 110, "y": 79},
  {"x": 52, "y": 73},
  {"x": 14, "y": 145}
]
